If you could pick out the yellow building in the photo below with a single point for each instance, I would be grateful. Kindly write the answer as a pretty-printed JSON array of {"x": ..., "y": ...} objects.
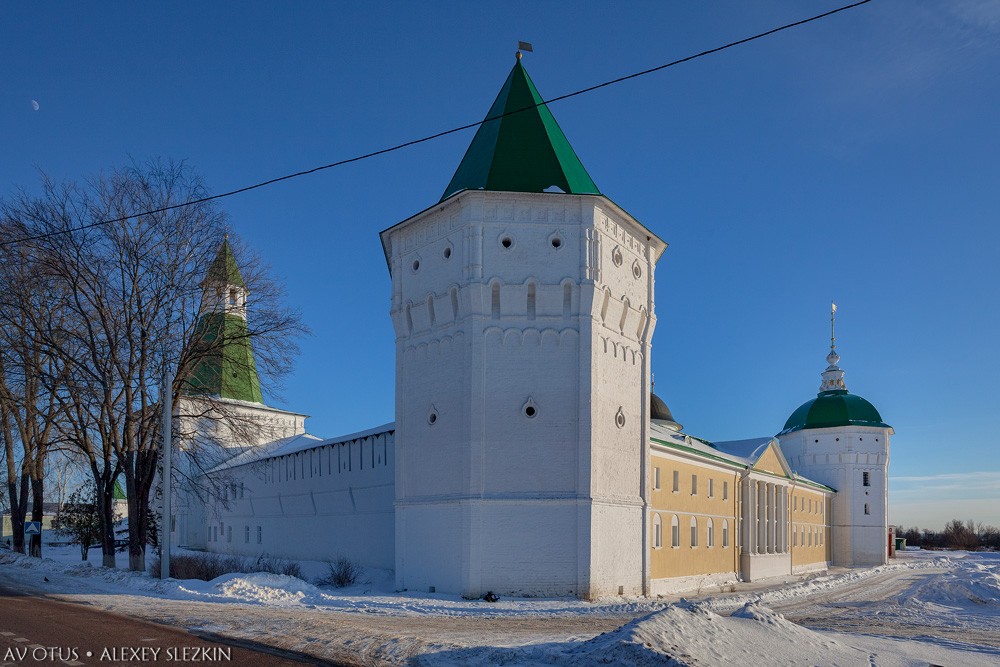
[{"x": 727, "y": 511}]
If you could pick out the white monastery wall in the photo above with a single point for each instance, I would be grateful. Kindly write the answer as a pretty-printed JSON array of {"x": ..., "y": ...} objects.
[{"x": 332, "y": 499}]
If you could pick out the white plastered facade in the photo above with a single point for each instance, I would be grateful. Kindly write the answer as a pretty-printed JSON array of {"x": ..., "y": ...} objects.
[{"x": 522, "y": 337}]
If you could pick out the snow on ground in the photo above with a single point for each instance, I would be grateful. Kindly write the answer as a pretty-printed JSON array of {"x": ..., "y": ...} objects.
[{"x": 926, "y": 607}]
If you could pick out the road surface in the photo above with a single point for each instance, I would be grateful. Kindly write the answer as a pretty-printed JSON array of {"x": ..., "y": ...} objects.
[{"x": 35, "y": 630}]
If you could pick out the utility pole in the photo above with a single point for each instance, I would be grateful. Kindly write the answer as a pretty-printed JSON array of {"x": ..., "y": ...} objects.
[{"x": 166, "y": 393}]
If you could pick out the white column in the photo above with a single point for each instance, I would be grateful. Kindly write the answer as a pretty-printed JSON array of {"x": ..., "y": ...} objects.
[
  {"x": 746, "y": 518},
  {"x": 771, "y": 524},
  {"x": 784, "y": 519},
  {"x": 761, "y": 518},
  {"x": 780, "y": 548}
]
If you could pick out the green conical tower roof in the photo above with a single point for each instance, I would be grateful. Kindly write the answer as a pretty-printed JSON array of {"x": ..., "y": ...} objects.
[
  {"x": 224, "y": 364},
  {"x": 520, "y": 152},
  {"x": 224, "y": 269}
]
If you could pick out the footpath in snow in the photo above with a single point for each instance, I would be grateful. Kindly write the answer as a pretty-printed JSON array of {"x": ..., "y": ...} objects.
[{"x": 927, "y": 608}]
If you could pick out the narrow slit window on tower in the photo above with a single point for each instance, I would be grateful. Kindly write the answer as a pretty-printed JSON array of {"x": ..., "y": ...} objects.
[
  {"x": 567, "y": 300},
  {"x": 531, "y": 301},
  {"x": 430, "y": 308},
  {"x": 867, "y": 509},
  {"x": 496, "y": 301},
  {"x": 642, "y": 323},
  {"x": 454, "y": 303},
  {"x": 865, "y": 480},
  {"x": 625, "y": 309},
  {"x": 232, "y": 296},
  {"x": 409, "y": 319}
]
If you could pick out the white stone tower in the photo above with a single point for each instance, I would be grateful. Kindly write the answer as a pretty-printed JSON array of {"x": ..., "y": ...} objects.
[
  {"x": 839, "y": 439},
  {"x": 220, "y": 411},
  {"x": 523, "y": 308}
]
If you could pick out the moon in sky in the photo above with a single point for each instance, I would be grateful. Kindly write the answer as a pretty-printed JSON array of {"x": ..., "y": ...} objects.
[{"x": 34, "y": 105}]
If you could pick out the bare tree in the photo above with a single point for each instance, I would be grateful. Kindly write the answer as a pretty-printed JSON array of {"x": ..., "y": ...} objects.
[
  {"x": 63, "y": 471},
  {"x": 29, "y": 409},
  {"x": 131, "y": 305}
]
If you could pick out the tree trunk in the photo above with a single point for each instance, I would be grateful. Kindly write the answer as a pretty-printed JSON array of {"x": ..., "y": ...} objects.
[
  {"x": 18, "y": 511},
  {"x": 105, "y": 508},
  {"x": 37, "y": 514}
]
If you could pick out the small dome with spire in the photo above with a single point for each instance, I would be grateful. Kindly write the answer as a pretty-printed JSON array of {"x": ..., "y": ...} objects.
[{"x": 833, "y": 405}]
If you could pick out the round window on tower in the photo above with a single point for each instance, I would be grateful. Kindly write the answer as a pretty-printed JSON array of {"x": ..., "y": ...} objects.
[
  {"x": 432, "y": 417},
  {"x": 506, "y": 241}
]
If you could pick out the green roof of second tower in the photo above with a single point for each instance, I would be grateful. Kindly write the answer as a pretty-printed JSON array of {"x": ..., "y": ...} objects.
[
  {"x": 525, "y": 151},
  {"x": 224, "y": 269}
]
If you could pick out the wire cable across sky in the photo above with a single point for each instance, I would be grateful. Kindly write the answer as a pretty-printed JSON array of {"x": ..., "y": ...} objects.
[{"x": 444, "y": 133}]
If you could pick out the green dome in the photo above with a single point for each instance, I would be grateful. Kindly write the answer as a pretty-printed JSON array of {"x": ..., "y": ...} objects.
[{"x": 834, "y": 408}]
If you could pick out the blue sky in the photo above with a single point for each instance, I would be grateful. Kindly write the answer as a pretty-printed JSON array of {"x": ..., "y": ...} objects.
[{"x": 854, "y": 159}]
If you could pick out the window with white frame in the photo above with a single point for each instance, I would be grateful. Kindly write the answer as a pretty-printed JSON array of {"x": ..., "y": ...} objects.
[
  {"x": 710, "y": 532},
  {"x": 711, "y": 487},
  {"x": 656, "y": 477},
  {"x": 694, "y": 532},
  {"x": 694, "y": 485},
  {"x": 677, "y": 481},
  {"x": 725, "y": 533},
  {"x": 675, "y": 531},
  {"x": 725, "y": 490},
  {"x": 657, "y": 531}
]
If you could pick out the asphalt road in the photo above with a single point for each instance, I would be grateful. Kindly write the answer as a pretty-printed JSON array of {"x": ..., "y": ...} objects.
[{"x": 38, "y": 631}]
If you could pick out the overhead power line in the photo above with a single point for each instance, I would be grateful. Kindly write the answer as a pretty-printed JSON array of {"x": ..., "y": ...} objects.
[{"x": 438, "y": 135}]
